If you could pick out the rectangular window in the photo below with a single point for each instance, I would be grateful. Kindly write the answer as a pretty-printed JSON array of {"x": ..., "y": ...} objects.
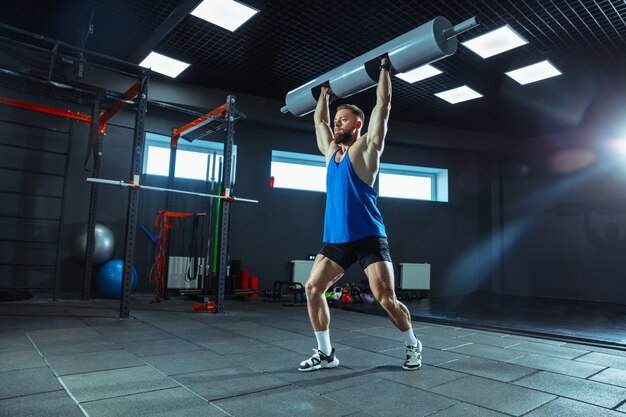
[
  {"x": 413, "y": 182},
  {"x": 308, "y": 172},
  {"x": 405, "y": 186},
  {"x": 194, "y": 160},
  {"x": 298, "y": 171}
]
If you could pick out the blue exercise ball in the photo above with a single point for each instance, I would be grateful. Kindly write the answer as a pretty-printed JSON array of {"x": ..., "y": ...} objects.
[{"x": 109, "y": 278}]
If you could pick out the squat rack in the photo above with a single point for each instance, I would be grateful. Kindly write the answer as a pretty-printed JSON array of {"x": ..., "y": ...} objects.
[{"x": 137, "y": 95}]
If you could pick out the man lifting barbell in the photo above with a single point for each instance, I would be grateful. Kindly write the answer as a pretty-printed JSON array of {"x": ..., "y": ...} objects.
[{"x": 353, "y": 226}]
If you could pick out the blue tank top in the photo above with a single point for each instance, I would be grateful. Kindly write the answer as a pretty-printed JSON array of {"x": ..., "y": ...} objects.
[{"x": 351, "y": 212}]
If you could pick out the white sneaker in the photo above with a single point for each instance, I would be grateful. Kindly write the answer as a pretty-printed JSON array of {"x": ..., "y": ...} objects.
[
  {"x": 413, "y": 359},
  {"x": 319, "y": 360}
]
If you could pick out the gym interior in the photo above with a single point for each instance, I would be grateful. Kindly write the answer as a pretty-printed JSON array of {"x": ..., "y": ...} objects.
[{"x": 158, "y": 230}]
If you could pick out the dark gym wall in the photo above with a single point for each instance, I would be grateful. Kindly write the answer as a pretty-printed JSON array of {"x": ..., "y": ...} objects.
[
  {"x": 551, "y": 250},
  {"x": 545, "y": 251}
]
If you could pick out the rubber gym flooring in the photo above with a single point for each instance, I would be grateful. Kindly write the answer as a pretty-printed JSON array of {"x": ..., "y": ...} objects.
[{"x": 75, "y": 358}]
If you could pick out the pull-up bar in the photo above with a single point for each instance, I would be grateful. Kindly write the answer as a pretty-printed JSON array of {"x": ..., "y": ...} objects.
[{"x": 168, "y": 190}]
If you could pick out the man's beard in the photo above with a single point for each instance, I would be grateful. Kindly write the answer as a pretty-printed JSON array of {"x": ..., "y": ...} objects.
[{"x": 341, "y": 138}]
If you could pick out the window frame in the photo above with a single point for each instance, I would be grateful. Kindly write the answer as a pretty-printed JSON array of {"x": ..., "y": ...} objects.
[
  {"x": 438, "y": 176},
  {"x": 198, "y": 146}
]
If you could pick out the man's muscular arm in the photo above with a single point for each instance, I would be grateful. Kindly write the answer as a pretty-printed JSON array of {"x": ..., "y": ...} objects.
[
  {"x": 323, "y": 131},
  {"x": 377, "y": 128}
]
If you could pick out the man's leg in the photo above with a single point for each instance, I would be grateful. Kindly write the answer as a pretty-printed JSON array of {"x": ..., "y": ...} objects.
[
  {"x": 325, "y": 273},
  {"x": 381, "y": 280}
]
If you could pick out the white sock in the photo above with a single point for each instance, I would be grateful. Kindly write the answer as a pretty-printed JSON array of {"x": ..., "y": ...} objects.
[
  {"x": 409, "y": 338},
  {"x": 323, "y": 342}
]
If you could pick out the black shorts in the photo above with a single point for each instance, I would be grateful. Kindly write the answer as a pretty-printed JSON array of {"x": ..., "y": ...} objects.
[{"x": 367, "y": 251}]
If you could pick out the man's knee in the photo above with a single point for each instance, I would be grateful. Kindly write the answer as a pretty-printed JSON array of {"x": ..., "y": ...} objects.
[
  {"x": 388, "y": 302},
  {"x": 314, "y": 289}
]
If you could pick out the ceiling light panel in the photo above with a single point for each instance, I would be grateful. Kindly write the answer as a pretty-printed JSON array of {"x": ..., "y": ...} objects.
[
  {"x": 535, "y": 72},
  {"x": 458, "y": 95},
  {"x": 419, "y": 73},
  {"x": 228, "y": 14},
  {"x": 164, "y": 64},
  {"x": 495, "y": 42}
]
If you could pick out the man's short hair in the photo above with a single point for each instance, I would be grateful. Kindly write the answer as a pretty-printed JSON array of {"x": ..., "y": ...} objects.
[{"x": 354, "y": 109}]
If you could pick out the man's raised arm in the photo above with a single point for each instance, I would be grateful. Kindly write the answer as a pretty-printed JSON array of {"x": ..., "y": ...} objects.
[
  {"x": 377, "y": 128},
  {"x": 323, "y": 131}
]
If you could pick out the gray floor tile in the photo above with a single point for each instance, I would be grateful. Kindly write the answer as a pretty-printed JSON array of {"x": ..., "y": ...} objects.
[
  {"x": 129, "y": 335},
  {"x": 487, "y": 368},
  {"x": 180, "y": 326},
  {"x": 160, "y": 346},
  {"x": 563, "y": 407},
  {"x": 64, "y": 347},
  {"x": 107, "y": 384},
  {"x": 373, "y": 344},
  {"x": 385, "y": 332},
  {"x": 163, "y": 403},
  {"x": 617, "y": 352},
  {"x": 274, "y": 358},
  {"x": 490, "y": 340},
  {"x": 538, "y": 340},
  {"x": 438, "y": 357},
  {"x": 228, "y": 382},
  {"x": 56, "y": 403},
  {"x": 440, "y": 342},
  {"x": 467, "y": 410},
  {"x": 212, "y": 335},
  {"x": 303, "y": 346},
  {"x": 494, "y": 395},
  {"x": 216, "y": 357},
  {"x": 28, "y": 381},
  {"x": 360, "y": 360},
  {"x": 444, "y": 331},
  {"x": 611, "y": 376},
  {"x": 383, "y": 399},
  {"x": 592, "y": 392},
  {"x": 280, "y": 402},
  {"x": 425, "y": 378},
  {"x": 30, "y": 324},
  {"x": 339, "y": 323},
  {"x": 295, "y": 327},
  {"x": 548, "y": 350},
  {"x": 66, "y": 335},
  {"x": 77, "y": 363},
  {"x": 328, "y": 380},
  {"x": 15, "y": 343},
  {"x": 239, "y": 344},
  {"x": 184, "y": 362},
  {"x": 605, "y": 359},
  {"x": 28, "y": 358},
  {"x": 558, "y": 365},
  {"x": 488, "y": 352}
]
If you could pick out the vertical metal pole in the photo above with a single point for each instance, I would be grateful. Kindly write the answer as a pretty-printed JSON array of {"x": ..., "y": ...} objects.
[
  {"x": 169, "y": 206},
  {"x": 57, "y": 267},
  {"x": 139, "y": 140},
  {"x": 96, "y": 140},
  {"x": 226, "y": 176}
]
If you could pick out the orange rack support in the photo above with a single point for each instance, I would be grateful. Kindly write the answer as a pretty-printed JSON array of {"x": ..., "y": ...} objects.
[
  {"x": 219, "y": 112},
  {"x": 130, "y": 94},
  {"x": 45, "y": 109}
]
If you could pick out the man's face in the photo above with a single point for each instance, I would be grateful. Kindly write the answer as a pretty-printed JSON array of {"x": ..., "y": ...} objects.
[{"x": 345, "y": 126}]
